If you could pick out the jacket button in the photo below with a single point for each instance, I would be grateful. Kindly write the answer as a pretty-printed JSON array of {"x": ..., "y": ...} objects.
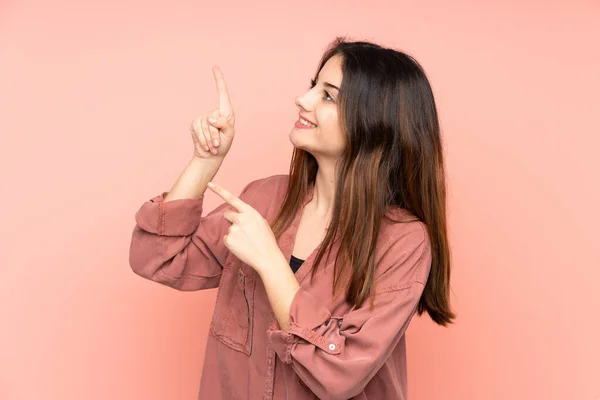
[{"x": 332, "y": 346}]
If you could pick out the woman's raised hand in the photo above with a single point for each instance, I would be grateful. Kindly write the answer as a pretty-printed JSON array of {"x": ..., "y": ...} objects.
[{"x": 213, "y": 133}]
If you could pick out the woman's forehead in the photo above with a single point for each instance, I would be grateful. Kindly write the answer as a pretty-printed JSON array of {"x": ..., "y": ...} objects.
[{"x": 332, "y": 71}]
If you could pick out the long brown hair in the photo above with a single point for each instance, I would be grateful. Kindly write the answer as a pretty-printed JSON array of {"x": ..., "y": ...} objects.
[{"x": 393, "y": 158}]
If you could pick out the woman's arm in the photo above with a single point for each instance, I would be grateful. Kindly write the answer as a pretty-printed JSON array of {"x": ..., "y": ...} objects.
[
  {"x": 281, "y": 286},
  {"x": 173, "y": 244},
  {"x": 192, "y": 182},
  {"x": 337, "y": 357}
]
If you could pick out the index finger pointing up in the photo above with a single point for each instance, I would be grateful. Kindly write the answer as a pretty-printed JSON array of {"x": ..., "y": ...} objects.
[{"x": 225, "y": 106}]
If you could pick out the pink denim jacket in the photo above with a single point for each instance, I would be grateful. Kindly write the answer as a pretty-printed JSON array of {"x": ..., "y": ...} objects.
[{"x": 332, "y": 350}]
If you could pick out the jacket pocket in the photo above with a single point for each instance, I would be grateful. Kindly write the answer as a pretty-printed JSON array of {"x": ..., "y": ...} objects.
[{"x": 233, "y": 318}]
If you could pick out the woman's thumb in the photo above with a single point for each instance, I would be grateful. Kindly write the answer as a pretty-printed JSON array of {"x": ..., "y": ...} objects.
[
  {"x": 217, "y": 122},
  {"x": 220, "y": 122}
]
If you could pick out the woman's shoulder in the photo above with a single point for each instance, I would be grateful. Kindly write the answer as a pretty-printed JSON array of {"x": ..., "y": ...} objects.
[
  {"x": 402, "y": 226},
  {"x": 267, "y": 186},
  {"x": 395, "y": 214},
  {"x": 261, "y": 192},
  {"x": 404, "y": 250}
]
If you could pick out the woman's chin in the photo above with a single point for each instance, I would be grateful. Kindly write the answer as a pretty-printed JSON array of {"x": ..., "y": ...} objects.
[
  {"x": 295, "y": 138},
  {"x": 301, "y": 139}
]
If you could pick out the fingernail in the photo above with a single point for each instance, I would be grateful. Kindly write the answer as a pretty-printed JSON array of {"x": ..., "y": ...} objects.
[
  {"x": 216, "y": 142},
  {"x": 212, "y": 120},
  {"x": 210, "y": 184}
]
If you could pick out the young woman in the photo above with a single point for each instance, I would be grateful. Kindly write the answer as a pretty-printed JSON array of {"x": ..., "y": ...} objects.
[{"x": 319, "y": 272}]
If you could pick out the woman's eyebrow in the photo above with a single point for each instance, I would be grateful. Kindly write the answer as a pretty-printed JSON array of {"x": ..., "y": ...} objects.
[{"x": 327, "y": 84}]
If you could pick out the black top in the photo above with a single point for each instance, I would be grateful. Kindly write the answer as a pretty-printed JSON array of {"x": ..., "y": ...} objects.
[{"x": 295, "y": 263}]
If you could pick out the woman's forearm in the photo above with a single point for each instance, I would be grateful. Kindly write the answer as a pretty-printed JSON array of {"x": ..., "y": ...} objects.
[
  {"x": 281, "y": 286},
  {"x": 194, "y": 178}
]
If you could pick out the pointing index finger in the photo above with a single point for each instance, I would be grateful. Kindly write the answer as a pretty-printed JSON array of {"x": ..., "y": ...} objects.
[
  {"x": 227, "y": 196},
  {"x": 225, "y": 106}
]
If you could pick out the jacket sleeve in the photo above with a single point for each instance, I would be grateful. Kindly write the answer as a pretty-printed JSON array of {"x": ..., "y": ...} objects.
[
  {"x": 173, "y": 244},
  {"x": 337, "y": 356}
]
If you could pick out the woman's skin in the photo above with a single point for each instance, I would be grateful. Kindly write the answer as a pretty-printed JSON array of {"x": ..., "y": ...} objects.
[
  {"x": 212, "y": 141},
  {"x": 326, "y": 142},
  {"x": 250, "y": 237}
]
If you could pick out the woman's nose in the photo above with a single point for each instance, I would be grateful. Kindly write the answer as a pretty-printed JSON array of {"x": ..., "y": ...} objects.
[{"x": 302, "y": 102}]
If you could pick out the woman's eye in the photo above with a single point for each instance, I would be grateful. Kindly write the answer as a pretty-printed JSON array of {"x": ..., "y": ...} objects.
[{"x": 326, "y": 96}]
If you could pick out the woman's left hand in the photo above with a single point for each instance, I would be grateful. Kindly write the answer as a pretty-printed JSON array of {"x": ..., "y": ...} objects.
[{"x": 250, "y": 237}]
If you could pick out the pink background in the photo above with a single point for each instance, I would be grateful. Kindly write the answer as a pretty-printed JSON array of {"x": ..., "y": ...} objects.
[{"x": 95, "y": 103}]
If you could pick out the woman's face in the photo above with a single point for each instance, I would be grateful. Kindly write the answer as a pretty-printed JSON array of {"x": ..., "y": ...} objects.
[{"x": 319, "y": 106}]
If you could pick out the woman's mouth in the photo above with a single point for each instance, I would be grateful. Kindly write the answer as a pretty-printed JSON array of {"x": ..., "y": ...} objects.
[{"x": 304, "y": 124}]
